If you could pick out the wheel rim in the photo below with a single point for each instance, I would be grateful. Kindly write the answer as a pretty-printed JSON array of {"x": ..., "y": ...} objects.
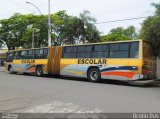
[
  {"x": 39, "y": 71},
  {"x": 94, "y": 75}
]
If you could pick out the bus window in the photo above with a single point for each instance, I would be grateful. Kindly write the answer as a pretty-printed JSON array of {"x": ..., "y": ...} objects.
[
  {"x": 69, "y": 55},
  {"x": 24, "y": 54},
  {"x": 41, "y": 53},
  {"x": 101, "y": 48},
  {"x": 70, "y": 52},
  {"x": 17, "y": 55},
  {"x": 68, "y": 49},
  {"x": 81, "y": 48},
  {"x": 134, "y": 50},
  {"x": 36, "y": 54},
  {"x": 119, "y": 54},
  {"x": 120, "y": 50},
  {"x": 45, "y": 53},
  {"x": 84, "y": 55},
  {"x": 114, "y": 47},
  {"x": 100, "y": 51},
  {"x": 10, "y": 57},
  {"x": 88, "y": 48},
  {"x": 84, "y": 51},
  {"x": 30, "y": 54}
]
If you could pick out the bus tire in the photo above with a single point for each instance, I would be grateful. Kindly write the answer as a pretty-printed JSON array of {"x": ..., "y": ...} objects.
[
  {"x": 94, "y": 75},
  {"x": 10, "y": 69},
  {"x": 39, "y": 71}
]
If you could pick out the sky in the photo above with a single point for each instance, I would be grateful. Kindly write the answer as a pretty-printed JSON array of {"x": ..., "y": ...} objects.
[{"x": 102, "y": 10}]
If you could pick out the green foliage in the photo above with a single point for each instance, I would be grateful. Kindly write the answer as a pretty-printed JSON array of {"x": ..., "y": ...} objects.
[
  {"x": 17, "y": 30},
  {"x": 114, "y": 37},
  {"x": 89, "y": 31},
  {"x": 13, "y": 29},
  {"x": 157, "y": 6},
  {"x": 150, "y": 30},
  {"x": 119, "y": 33}
]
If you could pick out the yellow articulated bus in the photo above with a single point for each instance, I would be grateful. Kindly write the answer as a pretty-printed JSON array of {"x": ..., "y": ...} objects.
[{"x": 122, "y": 60}]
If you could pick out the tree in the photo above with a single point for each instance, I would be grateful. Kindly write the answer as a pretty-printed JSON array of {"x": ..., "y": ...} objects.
[
  {"x": 12, "y": 30},
  {"x": 113, "y": 37},
  {"x": 89, "y": 32},
  {"x": 118, "y": 30},
  {"x": 119, "y": 33},
  {"x": 157, "y": 6},
  {"x": 150, "y": 30},
  {"x": 1, "y": 44},
  {"x": 17, "y": 30},
  {"x": 67, "y": 29},
  {"x": 130, "y": 32},
  {"x": 70, "y": 29}
]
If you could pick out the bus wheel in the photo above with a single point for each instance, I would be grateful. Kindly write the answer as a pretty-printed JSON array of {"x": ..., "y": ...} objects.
[
  {"x": 10, "y": 69},
  {"x": 94, "y": 75},
  {"x": 39, "y": 71}
]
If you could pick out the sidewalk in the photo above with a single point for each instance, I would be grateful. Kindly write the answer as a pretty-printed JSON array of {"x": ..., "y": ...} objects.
[
  {"x": 155, "y": 82},
  {"x": 2, "y": 69}
]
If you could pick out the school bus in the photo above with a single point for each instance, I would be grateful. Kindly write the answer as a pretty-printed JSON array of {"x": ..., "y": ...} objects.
[{"x": 121, "y": 60}]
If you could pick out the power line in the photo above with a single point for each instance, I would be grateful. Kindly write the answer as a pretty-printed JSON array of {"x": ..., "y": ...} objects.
[{"x": 129, "y": 19}]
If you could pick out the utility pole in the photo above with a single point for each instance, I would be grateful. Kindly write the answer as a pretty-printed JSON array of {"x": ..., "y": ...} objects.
[
  {"x": 33, "y": 28},
  {"x": 49, "y": 21},
  {"x": 33, "y": 38},
  {"x": 49, "y": 25}
]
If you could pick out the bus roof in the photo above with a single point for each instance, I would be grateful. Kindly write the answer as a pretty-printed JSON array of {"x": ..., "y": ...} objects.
[
  {"x": 89, "y": 44},
  {"x": 107, "y": 42},
  {"x": 28, "y": 49}
]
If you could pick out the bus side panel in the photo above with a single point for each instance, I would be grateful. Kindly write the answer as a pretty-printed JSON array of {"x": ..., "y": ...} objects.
[
  {"x": 118, "y": 69},
  {"x": 122, "y": 69},
  {"x": 19, "y": 66},
  {"x": 70, "y": 67}
]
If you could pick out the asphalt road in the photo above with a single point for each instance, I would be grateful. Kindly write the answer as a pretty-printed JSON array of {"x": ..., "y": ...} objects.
[{"x": 24, "y": 93}]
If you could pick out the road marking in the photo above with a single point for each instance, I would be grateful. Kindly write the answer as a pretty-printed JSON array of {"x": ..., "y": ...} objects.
[{"x": 61, "y": 107}]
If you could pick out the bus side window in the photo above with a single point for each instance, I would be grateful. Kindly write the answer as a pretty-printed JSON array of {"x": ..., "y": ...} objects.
[
  {"x": 70, "y": 52},
  {"x": 30, "y": 54},
  {"x": 24, "y": 54},
  {"x": 84, "y": 51},
  {"x": 134, "y": 50},
  {"x": 17, "y": 55},
  {"x": 36, "y": 54},
  {"x": 119, "y": 50},
  {"x": 10, "y": 56},
  {"x": 45, "y": 53},
  {"x": 100, "y": 51}
]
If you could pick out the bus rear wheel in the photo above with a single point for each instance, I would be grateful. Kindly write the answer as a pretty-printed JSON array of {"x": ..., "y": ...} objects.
[
  {"x": 39, "y": 71},
  {"x": 94, "y": 75}
]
